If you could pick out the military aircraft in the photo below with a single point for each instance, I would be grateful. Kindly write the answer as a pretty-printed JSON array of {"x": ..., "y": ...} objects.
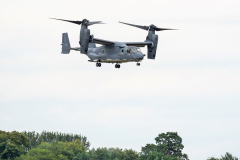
[{"x": 111, "y": 51}]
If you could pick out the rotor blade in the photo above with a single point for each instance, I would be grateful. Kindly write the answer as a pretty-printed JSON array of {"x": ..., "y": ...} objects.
[
  {"x": 76, "y": 22},
  {"x": 96, "y": 22},
  {"x": 162, "y": 29},
  {"x": 142, "y": 27}
]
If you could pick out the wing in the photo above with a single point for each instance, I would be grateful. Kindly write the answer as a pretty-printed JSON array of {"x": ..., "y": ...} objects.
[
  {"x": 138, "y": 44},
  {"x": 102, "y": 42}
]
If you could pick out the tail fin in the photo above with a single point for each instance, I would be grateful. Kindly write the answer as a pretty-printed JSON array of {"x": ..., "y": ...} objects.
[{"x": 65, "y": 44}]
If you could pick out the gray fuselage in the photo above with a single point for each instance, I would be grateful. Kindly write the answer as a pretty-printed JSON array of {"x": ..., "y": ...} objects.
[{"x": 119, "y": 53}]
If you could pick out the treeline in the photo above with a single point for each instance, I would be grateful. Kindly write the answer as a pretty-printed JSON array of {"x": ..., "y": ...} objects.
[
  {"x": 61, "y": 146},
  {"x": 36, "y": 139}
]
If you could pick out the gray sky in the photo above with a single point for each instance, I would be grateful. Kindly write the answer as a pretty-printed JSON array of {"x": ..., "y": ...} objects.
[{"x": 191, "y": 88}]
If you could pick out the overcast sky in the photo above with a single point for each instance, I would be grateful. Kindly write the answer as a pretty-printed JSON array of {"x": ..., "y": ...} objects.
[{"x": 191, "y": 88}]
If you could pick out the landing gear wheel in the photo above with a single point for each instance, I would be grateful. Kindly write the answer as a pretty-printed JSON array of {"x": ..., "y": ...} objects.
[
  {"x": 98, "y": 64},
  {"x": 138, "y": 64},
  {"x": 117, "y": 66}
]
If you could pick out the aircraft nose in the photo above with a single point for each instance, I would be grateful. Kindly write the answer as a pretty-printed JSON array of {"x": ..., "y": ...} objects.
[{"x": 141, "y": 55}]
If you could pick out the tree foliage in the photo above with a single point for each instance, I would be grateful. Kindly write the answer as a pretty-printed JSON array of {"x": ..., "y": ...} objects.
[
  {"x": 130, "y": 155},
  {"x": 56, "y": 150},
  {"x": 38, "y": 154},
  {"x": 13, "y": 144},
  {"x": 212, "y": 158},
  {"x": 68, "y": 149},
  {"x": 170, "y": 144},
  {"x": 168, "y": 147},
  {"x": 228, "y": 156},
  {"x": 149, "y": 149},
  {"x": 112, "y": 154},
  {"x": 36, "y": 139}
]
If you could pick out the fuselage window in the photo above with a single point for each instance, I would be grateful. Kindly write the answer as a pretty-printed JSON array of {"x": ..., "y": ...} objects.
[{"x": 122, "y": 50}]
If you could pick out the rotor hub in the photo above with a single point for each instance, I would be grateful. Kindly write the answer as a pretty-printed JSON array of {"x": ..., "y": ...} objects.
[{"x": 85, "y": 22}]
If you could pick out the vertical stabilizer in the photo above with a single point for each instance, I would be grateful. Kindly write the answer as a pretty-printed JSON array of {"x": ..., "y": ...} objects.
[{"x": 65, "y": 44}]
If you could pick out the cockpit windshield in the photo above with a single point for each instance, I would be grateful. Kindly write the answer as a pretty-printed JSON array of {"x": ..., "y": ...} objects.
[{"x": 134, "y": 49}]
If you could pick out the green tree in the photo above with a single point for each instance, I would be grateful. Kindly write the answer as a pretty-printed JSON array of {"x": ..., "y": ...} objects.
[
  {"x": 106, "y": 154},
  {"x": 38, "y": 154},
  {"x": 212, "y": 158},
  {"x": 116, "y": 153},
  {"x": 62, "y": 157},
  {"x": 36, "y": 139},
  {"x": 228, "y": 156},
  {"x": 130, "y": 154},
  {"x": 69, "y": 149},
  {"x": 149, "y": 149},
  {"x": 161, "y": 156},
  {"x": 76, "y": 147},
  {"x": 81, "y": 156},
  {"x": 101, "y": 154},
  {"x": 170, "y": 144},
  {"x": 13, "y": 144}
]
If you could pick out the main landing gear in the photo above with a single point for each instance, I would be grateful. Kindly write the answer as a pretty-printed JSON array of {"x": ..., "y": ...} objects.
[
  {"x": 117, "y": 66},
  {"x": 98, "y": 64},
  {"x": 138, "y": 64}
]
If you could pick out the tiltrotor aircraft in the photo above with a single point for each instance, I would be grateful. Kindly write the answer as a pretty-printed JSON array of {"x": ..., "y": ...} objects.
[{"x": 110, "y": 51}]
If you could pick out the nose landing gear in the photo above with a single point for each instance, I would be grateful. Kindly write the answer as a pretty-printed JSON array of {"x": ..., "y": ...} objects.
[
  {"x": 138, "y": 64},
  {"x": 117, "y": 66}
]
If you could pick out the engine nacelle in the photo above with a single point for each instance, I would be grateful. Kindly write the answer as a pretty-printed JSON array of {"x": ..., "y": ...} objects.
[
  {"x": 152, "y": 49},
  {"x": 84, "y": 40}
]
